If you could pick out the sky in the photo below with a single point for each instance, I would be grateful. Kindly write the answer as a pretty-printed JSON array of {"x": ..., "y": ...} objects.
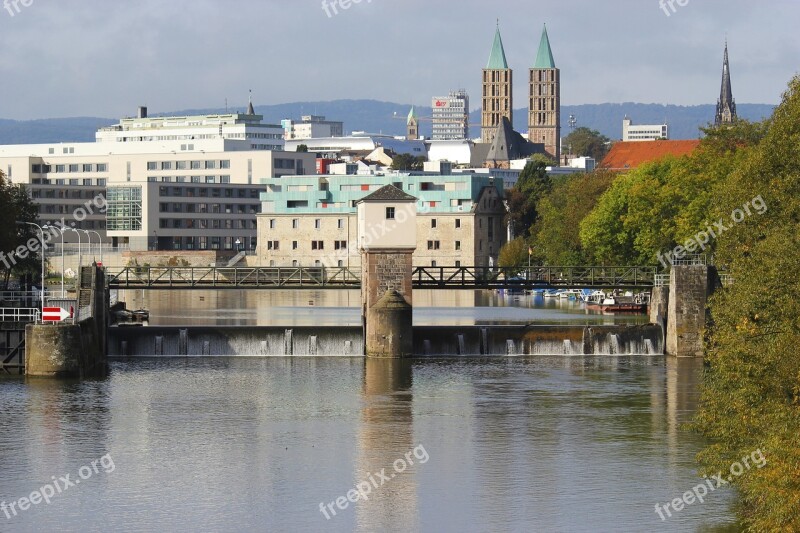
[{"x": 103, "y": 58}]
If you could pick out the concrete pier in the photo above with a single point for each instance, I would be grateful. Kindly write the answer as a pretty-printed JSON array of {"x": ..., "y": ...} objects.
[{"x": 689, "y": 289}]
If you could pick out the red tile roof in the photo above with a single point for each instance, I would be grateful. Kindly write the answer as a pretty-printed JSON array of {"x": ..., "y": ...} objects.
[{"x": 629, "y": 155}]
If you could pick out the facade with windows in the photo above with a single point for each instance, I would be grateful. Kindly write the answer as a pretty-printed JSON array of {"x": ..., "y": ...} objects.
[
  {"x": 312, "y": 220},
  {"x": 312, "y": 126},
  {"x": 643, "y": 132},
  {"x": 166, "y": 195},
  {"x": 451, "y": 116}
]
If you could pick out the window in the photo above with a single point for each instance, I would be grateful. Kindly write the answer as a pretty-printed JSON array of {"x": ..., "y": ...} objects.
[
  {"x": 225, "y": 164},
  {"x": 180, "y": 165},
  {"x": 166, "y": 165},
  {"x": 295, "y": 263},
  {"x": 152, "y": 165},
  {"x": 340, "y": 245},
  {"x": 197, "y": 165},
  {"x": 458, "y": 223},
  {"x": 73, "y": 168},
  {"x": 272, "y": 223},
  {"x": 390, "y": 213},
  {"x": 317, "y": 245},
  {"x": 340, "y": 223},
  {"x": 458, "y": 245},
  {"x": 273, "y": 245},
  {"x": 294, "y": 245},
  {"x": 211, "y": 165},
  {"x": 433, "y": 245},
  {"x": 295, "y": 223},
  {"x": 433, "y": 223},
  {"x": 317, "y": 223}
]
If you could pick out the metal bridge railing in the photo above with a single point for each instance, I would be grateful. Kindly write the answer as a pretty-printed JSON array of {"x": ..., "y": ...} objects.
[{"x": 19, "y": 314}]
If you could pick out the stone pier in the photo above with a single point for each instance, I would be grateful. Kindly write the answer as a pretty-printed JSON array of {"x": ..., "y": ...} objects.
[
  {"x": 689, "y": 289},
  {"x": 387, "y": 239}
]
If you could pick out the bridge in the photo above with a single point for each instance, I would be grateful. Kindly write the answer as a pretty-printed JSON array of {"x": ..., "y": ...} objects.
[{"x": 450, "y": 278}]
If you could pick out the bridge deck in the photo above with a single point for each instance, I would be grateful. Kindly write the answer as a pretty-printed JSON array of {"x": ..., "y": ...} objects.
[{"x": 182, "y": 278}]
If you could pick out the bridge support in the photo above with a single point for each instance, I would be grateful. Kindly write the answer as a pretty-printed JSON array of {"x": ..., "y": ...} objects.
[{"x": 689, "y": 289}]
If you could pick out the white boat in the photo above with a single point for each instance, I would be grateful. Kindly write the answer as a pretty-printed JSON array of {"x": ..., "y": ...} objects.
[
  {"x": 552, "y": 294},
  {"x": 571, "y": 294}
]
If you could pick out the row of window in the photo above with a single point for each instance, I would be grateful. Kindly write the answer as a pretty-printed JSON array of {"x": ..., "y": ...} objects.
[
  {"x": 211, "y": 243},
  {"x": 203, "y": 192},
  {"x": 64, "y": 194},
  {"x": 436, "y": 245},
  {"x": 240, "y": 209},
  {"x": 190, "y": 179},
  {"x": 204, "y": 223},
  {"x": 315, "y": 245},
  {"x": 211, "y": 164},
  {"x": 85, "y": 167}
]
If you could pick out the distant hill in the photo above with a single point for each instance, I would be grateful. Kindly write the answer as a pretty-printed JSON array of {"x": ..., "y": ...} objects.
[{"x": 386, "y": 117}]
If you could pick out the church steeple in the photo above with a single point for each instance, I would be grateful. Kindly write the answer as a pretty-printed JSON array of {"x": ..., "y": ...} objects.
[
  {"x": 726, "y": 105},
  {"x": 250, "y": 109},
  {"x": 544, "y": 100},
  {"x": 412, "y": 125},
  {"x": 497, "y": 81}
]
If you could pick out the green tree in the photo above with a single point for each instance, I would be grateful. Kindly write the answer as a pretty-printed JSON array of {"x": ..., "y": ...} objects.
[
  {"x": 532, "y": 184},
  {"x": 408, "y": 162},
  {"x": 16, "y": 205},
  {"x": 557, "y": 231},
  {"x": 586, "y": 142},
  {"x": 302, "y": 148},
  {"x": 751, "y": 389},
  {"x": 514, "y": 253}
]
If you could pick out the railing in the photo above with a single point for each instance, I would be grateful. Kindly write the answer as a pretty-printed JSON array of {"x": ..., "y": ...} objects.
[
  {"x": 19, "y": 314},
  {"x": 222, "y": 277},
  {"x": 533, "y": 277},
  {"x": 692, "y": 260},
  {"x": 662, "y": 280},
  {"x": 24, "y": 295}
]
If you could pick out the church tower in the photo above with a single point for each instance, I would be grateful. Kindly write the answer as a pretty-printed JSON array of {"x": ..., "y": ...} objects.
[
  {"x": 412, "y": 125},
  {"x": 726, "y": 105},
  {"x": 497, "y": 101},
  {"x": 544, "y": 109}
]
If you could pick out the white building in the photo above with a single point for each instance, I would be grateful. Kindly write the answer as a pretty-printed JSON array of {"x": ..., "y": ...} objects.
[
  {"x": 310, "y": 127},
  {"x": 331, "y": 147},
  {"x": 236, "y": 126},
  {"x": 644, "y": 132},
  {"x": 450, "y": 116}
]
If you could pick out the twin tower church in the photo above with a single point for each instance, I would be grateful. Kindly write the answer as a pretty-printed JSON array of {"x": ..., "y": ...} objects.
[{"x": 544, "y": 97}]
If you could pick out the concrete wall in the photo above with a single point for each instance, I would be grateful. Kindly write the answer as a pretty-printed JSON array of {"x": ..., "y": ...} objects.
[{"x": 690, "y": 287}]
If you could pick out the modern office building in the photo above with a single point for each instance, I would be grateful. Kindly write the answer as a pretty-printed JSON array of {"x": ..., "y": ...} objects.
[
  {"x": 236, "y": 126},
  {"x": 152, "y": 194},
  {"x": 450, "y": 116},
  {"x": 643, "y": 132},
  {"x": 311, "y": 126},
  {"x": 312, "y": 220}
]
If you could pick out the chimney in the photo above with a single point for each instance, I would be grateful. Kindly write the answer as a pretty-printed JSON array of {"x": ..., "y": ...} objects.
[{"x": 142, "y": 112}]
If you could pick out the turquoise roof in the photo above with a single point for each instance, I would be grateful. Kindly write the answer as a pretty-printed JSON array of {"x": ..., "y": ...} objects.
[
  {"x": 412, "y": 115},
  {"x": 544, "y": 59},
  {"x": 497, "y": 59}
]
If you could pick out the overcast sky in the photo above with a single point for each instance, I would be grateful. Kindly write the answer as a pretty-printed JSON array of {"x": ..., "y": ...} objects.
[{"x": 65, "y": 58}]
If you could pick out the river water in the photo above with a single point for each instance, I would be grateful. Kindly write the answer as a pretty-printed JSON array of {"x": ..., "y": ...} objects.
[{"x": 258, "y": 444}]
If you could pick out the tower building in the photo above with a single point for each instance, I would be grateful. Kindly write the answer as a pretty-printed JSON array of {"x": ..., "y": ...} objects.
[
  {"x": 412, "y": 125},
  {"x": 726, "y": 105},
  {"x": 497, "y": 96},
  {"x": 544, "y": 109}
]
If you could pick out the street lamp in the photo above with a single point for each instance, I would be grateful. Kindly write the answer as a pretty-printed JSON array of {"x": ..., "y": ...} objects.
[
  {"x": 238, "y": 244},
  {"x": 62, "y": 255},
  {"x": 100, "y": 243},
  {"x": 43, "y": 253},
  {"x": 80, "y": 251}
]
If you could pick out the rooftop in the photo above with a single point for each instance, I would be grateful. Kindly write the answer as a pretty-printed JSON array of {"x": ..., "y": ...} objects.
[
  {"x": 388, "y": 193},
  {"x": 630, "y": 155}
]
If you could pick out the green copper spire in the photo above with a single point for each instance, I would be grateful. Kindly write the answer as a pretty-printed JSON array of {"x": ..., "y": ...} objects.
[
  {"x": 412, "y": 115},
  {"x": 544, "y": 59},
  {"x": 497, "y": 59}
]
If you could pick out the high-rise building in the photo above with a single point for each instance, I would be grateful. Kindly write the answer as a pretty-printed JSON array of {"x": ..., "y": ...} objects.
[
  {"x": 451, "y": 116},
  {"x": 544, "y": 109},
  {"x": 726, "y": 105},
  {"x": 497, "y": 98}
]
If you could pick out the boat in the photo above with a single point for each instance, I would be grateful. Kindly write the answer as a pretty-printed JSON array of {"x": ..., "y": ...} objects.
[
  {"x": 571, "y": 294},
  {"x": 616, "y": 304},
  {"x": 552, "y": 293}
]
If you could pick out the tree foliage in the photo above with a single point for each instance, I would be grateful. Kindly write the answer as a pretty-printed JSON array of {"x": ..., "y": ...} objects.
[
  {"x": 408, "y": 162},
  {"x": 16, "y": 205},
  {"x": 557, "y": 231},
  {"x": 586, "y": 142},
  {"x": 533, "y": 183},
  {"x": 514, "y": 253},
  {"x": 751, "y": 390}
]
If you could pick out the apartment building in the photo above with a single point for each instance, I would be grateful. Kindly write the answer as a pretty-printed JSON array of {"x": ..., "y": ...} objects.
[
  {"x": 312, "y": 126},
  {"x": 450, "y": 116},
  {"x": 312, "y": 220}
]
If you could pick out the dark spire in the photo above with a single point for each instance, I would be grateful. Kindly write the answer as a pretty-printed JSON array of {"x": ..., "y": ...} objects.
[
  {"x": 250, "y": 109},
  {"x": 726, "y": 105}
]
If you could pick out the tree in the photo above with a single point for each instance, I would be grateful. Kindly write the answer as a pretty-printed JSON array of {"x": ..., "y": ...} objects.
[
  {"x": 557, "y": 231},
  {"x": 585, "y": 142},
  {"x": 408, "y": 162},
  {"x": 16, "y": 205},
  {"x": 302, "y": 148},
  {"x": 751, "y": 388},
  {"x": 513, "y": 253},
  {"x": 532, "y": 184}
]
